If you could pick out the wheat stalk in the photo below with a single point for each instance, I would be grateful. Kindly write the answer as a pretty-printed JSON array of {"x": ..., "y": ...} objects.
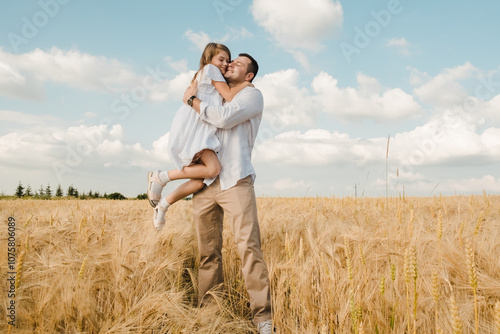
[
  {"x": 28, "y": 221},
  {"x": 393, "y": 272},
  {"x": 479, "y": 223},
  {"x": 382, "y": 285},
  {"x": 19, "y": 270},
  {"x": 435, "y": 294},
  {"x": 348, "y": 260},
  {"x": 413, "y": 254},
  {"x": 103, "y": 224},
  {"x": 439, "y": 228},
  {"x": 324, "y": 264},
  {"x": 455, "y": 317},
  {"x": 412, "y": 219},
  {"x": 301, "y": 249},
  {"x": 288, "y": 246},
  {"x": 363, "y": 260},
  {"x": 471, "y": 266},
  {"x": 82, "y": 268},
  {"x": 361, "y": 329},
  {"x": 27, "y": 243},
  {"x": 461, "y": 232},
  {"x": 407, "y": 277}
]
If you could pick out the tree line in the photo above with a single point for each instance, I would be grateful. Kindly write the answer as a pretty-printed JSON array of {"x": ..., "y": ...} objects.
[{"x": 48, "y": 193}]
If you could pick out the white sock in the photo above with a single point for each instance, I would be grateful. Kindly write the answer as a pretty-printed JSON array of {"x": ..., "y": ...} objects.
[
  {"x": 163, "y": 175},
  {"x": 164, "y": 204}
]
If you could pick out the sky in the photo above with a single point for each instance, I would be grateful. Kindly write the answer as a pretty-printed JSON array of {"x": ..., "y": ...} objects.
[{"x": 362, "y": 98}]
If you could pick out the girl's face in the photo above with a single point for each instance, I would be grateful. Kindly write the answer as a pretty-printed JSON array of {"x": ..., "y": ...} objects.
[{"x": 221, "y": 60}]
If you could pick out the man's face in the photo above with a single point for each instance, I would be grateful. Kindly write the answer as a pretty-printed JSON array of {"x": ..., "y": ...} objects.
[{"x": 237, "y": 70}]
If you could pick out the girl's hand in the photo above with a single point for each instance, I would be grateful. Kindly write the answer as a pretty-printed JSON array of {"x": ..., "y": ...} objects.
[
  {"x": 247, "y": 84},
  {"x": 190, "y": 91}
]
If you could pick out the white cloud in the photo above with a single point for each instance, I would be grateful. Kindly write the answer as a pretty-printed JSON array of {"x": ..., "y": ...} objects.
[
  {"x": 172, "y": 89},
  {"x": 370, "y": 100},
  {"x": 444, "y": 90},
  {"x": 66, "y": 152},
  {"x": 299, "y": 24},
  {"x": 235, "y": 34},
  {"x": 488, "y": 109},
  {"x": 285, "y": 103},
  {"x": 25, "y": 75},
  {"x": 289, "y": 184},
  {"x": 302, "y": 59},
  {"x": 30, "y": 70},
  {"x": 318, "y": 147},
  {"x": 488, "y": 183},
  {"x": 177, "y": 65},
  {"x": 200, "y": 40},
  {"x": 417, "y": 78},
  {"x": 289, "y": 104},
  {"x": 20, "y": 118},
  {"x": 14, "y": 83},
  {"x": 448, "y": 140},
  {"x": 90, "y": 114},
  {"x": 400, "y": 44},
  {"x": 427, "y": 186}
]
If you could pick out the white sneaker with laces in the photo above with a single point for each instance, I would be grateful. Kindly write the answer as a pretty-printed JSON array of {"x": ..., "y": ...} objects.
[{"x": 265, "y": 327}]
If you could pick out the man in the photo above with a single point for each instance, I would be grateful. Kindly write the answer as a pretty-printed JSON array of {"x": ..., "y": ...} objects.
[{"x": 232, "y": 193}]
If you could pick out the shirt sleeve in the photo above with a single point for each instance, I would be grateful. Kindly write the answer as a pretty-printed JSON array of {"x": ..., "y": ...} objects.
[
  {"x": 211, "y": 72},
  {"x": 245, "y": 105}
]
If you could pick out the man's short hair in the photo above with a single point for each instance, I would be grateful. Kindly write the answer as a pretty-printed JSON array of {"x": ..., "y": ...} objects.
[{"x": 253, "y": 67}]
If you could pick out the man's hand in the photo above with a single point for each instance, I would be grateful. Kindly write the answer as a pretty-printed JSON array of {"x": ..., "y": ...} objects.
[{"x": 190, "y": 91}]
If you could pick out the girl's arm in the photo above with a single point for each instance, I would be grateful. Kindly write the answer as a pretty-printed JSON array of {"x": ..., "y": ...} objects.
[{"x": 227, "y": 92}]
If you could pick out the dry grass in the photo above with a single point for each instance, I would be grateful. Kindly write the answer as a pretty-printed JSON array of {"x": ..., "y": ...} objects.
[{"x": 336, "y": 266}]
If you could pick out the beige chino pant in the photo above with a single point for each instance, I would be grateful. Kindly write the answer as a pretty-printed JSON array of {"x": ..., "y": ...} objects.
[{"x": 239, "y": 204}]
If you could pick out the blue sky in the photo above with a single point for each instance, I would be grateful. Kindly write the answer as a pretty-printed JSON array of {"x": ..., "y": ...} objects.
[{"x": 88, "y": 90}]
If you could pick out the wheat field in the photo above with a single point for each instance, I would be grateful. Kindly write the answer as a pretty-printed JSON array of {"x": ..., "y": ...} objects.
[{"x": 337, "y": 265}]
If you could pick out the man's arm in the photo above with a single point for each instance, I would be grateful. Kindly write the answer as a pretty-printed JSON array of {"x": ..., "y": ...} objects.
[
  {"x": 249, "y": 103},
  {"x": 191, "y": 91}
]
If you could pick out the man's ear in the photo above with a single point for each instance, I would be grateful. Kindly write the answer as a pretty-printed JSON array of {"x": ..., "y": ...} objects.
[{"x": 249, "y": 76}]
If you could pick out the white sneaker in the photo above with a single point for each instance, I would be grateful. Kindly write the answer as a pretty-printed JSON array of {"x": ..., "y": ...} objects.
[
  {"x": 265, "y": 327},
  {"x": 155, "y": 186}
]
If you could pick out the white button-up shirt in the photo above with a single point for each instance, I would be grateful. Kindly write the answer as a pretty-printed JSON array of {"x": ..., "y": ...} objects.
[{"x": 237, "y": 124}]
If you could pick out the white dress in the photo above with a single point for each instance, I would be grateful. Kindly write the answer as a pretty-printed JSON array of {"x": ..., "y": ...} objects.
[{"x": 188, "y": 133}]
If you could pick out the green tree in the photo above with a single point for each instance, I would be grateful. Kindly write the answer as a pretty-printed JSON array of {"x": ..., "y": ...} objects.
[
  {"x": 28, "y": 192},
  {"x": 59, "y": 192},
  {"x": 116, "y": 196},
  {"x": 20, "y": 190},
  {"x": 41, "y": 191},
  {"x": 142, "y": 196},
  {"x": 72, "y": 191},
  {"x": 48, "y": 191}
]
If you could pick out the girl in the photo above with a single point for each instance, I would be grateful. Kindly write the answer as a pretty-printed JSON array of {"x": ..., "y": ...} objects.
[{"x": 192, "y": 143}]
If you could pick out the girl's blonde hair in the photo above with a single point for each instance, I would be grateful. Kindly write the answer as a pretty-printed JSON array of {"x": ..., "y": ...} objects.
[{"x": 211, "y": 50}]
